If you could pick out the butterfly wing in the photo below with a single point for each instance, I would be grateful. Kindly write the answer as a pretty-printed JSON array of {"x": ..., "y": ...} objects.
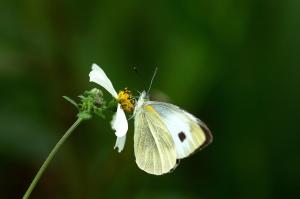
[
  {"x": 188, "y": 132},
  {"x": 154, "y": 147}
]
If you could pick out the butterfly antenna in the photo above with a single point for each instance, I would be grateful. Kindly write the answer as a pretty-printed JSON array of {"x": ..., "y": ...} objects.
[{"x": 154, "y": 74}]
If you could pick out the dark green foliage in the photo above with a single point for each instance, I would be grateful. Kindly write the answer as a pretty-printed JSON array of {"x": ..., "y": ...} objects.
[{"x": 233, "y": 64}]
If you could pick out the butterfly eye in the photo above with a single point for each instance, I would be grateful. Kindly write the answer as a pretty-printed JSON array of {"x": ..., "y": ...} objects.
[
  {"x": 181, "y": 136},
  {"x": 126, "y": 99}
]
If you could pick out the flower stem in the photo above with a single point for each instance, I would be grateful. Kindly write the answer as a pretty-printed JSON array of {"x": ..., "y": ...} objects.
[{"x": 50, "y": 157}]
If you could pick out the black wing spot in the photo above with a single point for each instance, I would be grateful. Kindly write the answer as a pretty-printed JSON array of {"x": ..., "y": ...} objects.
[{"x": 181, "y": 136}]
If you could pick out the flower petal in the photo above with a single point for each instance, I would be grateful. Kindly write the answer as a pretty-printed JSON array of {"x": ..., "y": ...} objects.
[
  {"x": 119, "y": 122},
  {"x": 120, "y": 143},
  {"x": 98, "y": 76}
]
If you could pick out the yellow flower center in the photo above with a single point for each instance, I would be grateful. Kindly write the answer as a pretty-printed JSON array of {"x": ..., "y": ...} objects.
[{"x": 126, "y": 100}]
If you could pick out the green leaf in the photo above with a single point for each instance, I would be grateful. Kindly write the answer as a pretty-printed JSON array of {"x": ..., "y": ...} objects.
[
  {"x": 71, "y": 101},
  {"x": 84, "y": 115}
]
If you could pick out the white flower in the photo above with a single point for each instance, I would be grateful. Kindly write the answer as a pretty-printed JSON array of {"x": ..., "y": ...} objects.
[{"x": 119, "y": 122}]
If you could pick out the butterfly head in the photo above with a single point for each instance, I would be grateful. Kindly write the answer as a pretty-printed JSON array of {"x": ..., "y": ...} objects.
[
  {"x": 142, "y": 99},
  {"x": 144, "y": 96}
]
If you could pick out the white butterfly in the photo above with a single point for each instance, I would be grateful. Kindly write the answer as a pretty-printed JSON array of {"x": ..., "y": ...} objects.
[{"x": 163, "y": 133}]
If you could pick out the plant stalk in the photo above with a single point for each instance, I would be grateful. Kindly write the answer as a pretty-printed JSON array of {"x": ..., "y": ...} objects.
[{"x": 50, "y": 157}]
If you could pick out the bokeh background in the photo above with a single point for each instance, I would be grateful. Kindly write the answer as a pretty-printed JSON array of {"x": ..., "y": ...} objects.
[{"x": 234, "y": 64}]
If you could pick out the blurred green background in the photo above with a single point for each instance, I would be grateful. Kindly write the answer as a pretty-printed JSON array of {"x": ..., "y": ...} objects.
[{"x": 234, "y": 64}]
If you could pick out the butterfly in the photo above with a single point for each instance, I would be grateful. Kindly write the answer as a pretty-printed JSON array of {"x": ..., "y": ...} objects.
[{"x": 163, "y": 132}]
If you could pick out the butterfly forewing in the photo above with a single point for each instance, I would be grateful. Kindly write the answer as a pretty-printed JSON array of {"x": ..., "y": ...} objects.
[
  {"x": 154, "y": 147},
  {"x": 188, "y": 132}
]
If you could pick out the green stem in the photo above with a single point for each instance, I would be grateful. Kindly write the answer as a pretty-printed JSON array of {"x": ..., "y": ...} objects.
[{"x": 50, "y": 157}]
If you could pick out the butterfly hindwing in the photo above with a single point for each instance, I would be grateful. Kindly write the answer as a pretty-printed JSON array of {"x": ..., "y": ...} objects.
[
  {"x": 154, "y": 147},
  {"x": 188, "y": 132}
]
